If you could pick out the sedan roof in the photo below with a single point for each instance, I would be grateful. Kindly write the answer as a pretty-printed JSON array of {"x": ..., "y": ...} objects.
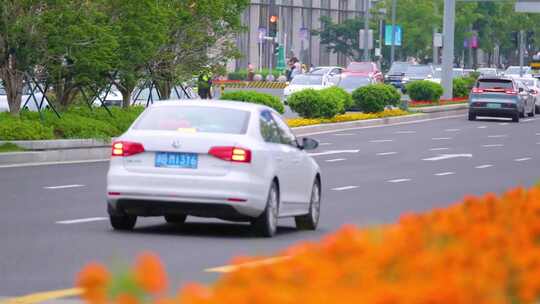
[{"x": 246, "y": 106}]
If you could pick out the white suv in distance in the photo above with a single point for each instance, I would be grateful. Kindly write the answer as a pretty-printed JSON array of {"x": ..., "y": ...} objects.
[{"x": 228, "y": 160}]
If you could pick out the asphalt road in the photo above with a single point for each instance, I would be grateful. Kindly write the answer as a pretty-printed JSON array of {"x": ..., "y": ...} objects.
[{"x": 48, "y": 234}]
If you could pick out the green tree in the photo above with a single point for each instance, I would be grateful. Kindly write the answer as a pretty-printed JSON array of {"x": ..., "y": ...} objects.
[
  {"x": 200, "y": 33},
  {"x": 20, "y": 45},
  {"x": 342, "y": 37},
  {"x": 140, "y": 30},
  {"x": 79, "y": 49}
]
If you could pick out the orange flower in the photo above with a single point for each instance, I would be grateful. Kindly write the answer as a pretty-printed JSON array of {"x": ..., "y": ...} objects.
[
  {"x": 93, "y": 279},
  {"x": 150, "y": 273},
  {"x": 126, "y": 298}
]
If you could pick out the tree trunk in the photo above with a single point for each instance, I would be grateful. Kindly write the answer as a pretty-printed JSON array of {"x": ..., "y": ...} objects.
[
  {"x": 126, "y": 94},
  {"x": 13, "y": 81},
  {"x": 64, "y": 94},
  {"x": 164, "y": 89}
]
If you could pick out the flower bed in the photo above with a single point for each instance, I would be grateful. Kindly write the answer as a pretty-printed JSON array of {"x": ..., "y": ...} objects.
[
  {"x": 442, "y": 102},
  {"x": 300, "y": 122},
  {"x": 483, "y": 250}
]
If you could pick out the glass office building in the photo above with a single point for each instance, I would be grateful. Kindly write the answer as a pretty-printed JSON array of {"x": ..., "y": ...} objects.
[{"x": 296, "y": 19}]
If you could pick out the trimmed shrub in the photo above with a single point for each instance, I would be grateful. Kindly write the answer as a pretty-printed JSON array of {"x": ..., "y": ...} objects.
[
  {"x": 460, "y": 88},
  {"x": 344, "y": 98},
  {"x": 373, "y": 98},
  {"x": 310, "y": 103},
  {"x": 393, "y": 97},
  {"x": 424, "y": 90},
  {"x": 18, "y": 129},
  {"x": 240, "y": 75},
  {"x": 255, "y": 97}
]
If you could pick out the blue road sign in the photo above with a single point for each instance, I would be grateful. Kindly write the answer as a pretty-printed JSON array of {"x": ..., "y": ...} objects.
[{"x": 388, "y": 35}]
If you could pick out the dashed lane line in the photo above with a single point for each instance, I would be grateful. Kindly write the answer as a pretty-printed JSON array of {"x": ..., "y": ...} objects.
[
  {"x": 82, "y": 220},
  {"x": 405, "y": 132},
  {"x": 484, "y": 166},
  {"x": 445, "y": 173},
  {"x": 333, "y": 152},
  {"x": 441, "y": 138},
  {"x": 498, "y": 136},
  {"x": 344, "y": 188},
  {"x": 386, "y": 153},
  {"x": 522, "y": 159},
  {"x": 334, "y": 160},
  {"x": 63, "y": 187},
  {"x": 482, "y": 127},
  {"x": 399, "y": 180},
  {"x": 439, "y": 149},
  {"x": 344, "y": 134},
  {"x": 380, "y": 140},
  {"x": 452, "y": 130},
  {"x": 325, "y": 144},
  {"x": 493, "y": 146},
  {"x": 44, "y": 296}
]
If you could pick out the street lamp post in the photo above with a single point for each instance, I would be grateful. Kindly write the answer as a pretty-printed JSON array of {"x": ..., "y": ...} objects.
[
  {"x": 393, "y": 46},
  {"x": 448, "y": 46},
  {"x": 366, "y": 29}
]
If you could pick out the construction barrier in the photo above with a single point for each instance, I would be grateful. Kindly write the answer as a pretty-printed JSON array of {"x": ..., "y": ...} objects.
[{"x": 250, "y": 84}]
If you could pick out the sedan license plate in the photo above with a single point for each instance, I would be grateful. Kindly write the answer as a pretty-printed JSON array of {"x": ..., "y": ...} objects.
[
  {"x": 176, "y": 160},
  {"x": 494, "y": 105}
]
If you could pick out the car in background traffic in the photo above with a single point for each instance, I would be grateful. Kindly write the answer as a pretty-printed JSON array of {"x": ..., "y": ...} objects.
[
  {"x": 500, "y": 97},
  {"x": 228, "y": 160},
  {"x": 533, "y": 85},
  {"x": 419, "y": 72},
  {"x": 352, "y": 81},
  {"x": 488, "y": 71},
  {"x": 514, "y": 71},
  {"x": 317, "y": 80},
  {"x": 396, "y": 74},
  {"x": 367, "y": 68}
]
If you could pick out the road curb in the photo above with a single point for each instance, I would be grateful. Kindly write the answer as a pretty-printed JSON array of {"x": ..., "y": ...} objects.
[{"x": 47, "y": 152}]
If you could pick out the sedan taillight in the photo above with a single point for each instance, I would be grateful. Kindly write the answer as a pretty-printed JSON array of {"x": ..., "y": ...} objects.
[
  {"x": 477, "y": 90},
  {"x": 126, "y": 148},
  {"x": 233, "y": 154}
]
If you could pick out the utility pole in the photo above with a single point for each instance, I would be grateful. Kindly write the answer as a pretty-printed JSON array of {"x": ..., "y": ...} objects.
[
  {"x": 366, "y": 30},
  {"x": 393, "y": 46},
  {"x": 448, "y": 46},
  {"x": 435, "y": 48},
  {"x": 521, "y": 51}
]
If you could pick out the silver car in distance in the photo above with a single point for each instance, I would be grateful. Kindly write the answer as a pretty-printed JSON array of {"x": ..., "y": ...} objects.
[{"x": 229, "y": 160}]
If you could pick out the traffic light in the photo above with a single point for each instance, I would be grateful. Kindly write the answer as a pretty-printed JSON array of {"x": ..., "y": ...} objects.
[
  {"x": 276, "y": 49},
  {"x": 272, "y": 32},
  {"x": 515, "y": 39},
  {"x": 529, "y": 42}
]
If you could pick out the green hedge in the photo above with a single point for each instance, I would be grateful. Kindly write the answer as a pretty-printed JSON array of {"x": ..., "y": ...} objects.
[
  {"x": 310, "y": 103},
  {"x": 460, "y": 88},
  {"x": 255, "y": 97},
  {"x": 374, "y": 98},
  {"x": 343, "y": 97},
  {"x": 76, "y": 122},
  {"x": 424, "y": 90}
]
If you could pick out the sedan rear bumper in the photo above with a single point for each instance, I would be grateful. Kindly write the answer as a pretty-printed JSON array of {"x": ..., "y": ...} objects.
[
  {"x": 234, "y": 195},
  {"x": 494, "y": 112}
]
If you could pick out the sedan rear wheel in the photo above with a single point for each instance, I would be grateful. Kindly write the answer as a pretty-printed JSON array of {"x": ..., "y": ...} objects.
[
  {"x": 123, "y": 222},
  {"x": 472, "y": 116},
  {"x": 311, "y": 220},
  {"x": 537, "y": 109},
  {"x": 176, "y": 219},
  {"x": 516, "y": 116},
  {"x": 266, "y": 224},
  {"x": 531, "y": 114}
]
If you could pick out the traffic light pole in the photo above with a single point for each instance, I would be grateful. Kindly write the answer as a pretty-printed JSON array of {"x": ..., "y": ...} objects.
[
  {"x": 366, "y": 29},
  {"x": 521, "y": 51},
  {"x": 448, "y": 46},
  {"x": 393, "y": 39}
]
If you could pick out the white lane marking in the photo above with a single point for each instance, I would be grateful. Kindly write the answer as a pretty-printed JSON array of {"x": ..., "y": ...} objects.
[
  {"x": 452, "y": 130},
  {"x": 522, "y": 159},
  {"x": 482, "y": 127},
  {"x": 399, "y": 180},
  {"x": 445, "y": 173},
  {"x": 538, "y": 143},
  {"x": 405, "y": 132},
  {"x": 537, "y": 134},
  {"x": 493, "y": 145},
  {"x": 334, "y": 160},
  {"x": 441, "y": 138},
  {"x": 483, "y": 166},
  {"x": 498, "y": 136},
  {"x": 325, "y": 144},
  {"x": 63, "y": 187},
  {"x": 439, "y": 149},
  {"x": 529, "y": 119},
  {"x": 448, "y": 156},
  {"x": 83, "y": 220},
  {"x": 386, "y": 153},
  {"x": 344, "y": 134},
  {"x": 378, "y": 126},
  {"x": 381, "y": 140},
  {"x": 333, "y": 152},
  {"x": 503, "y": 124},
  {"x": 71, "y": 162},
  {"x": 344, "y": 188}
]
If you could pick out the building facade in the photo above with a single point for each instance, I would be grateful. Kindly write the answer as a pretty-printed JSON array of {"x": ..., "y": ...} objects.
[{"x": 296, "y": 20}]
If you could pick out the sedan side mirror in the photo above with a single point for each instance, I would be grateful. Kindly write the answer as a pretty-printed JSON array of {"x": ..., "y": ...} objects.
[
  {"x": 520, "y": 90},
  {"x": 309, "y": 144}
]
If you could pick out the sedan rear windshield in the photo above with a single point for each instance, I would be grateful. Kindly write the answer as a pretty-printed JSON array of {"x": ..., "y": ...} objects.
[
  {"x": 195, "y": 119},
  {"x": 353, "y": 82},
  {"x": 307, "y": 79},
  {"x": 494, "y": 84}
]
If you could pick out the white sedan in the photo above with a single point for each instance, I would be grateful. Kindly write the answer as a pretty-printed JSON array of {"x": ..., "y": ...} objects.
[
  {"x": 319, "y": 78},
  {"x": 228, "y": 160}
]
